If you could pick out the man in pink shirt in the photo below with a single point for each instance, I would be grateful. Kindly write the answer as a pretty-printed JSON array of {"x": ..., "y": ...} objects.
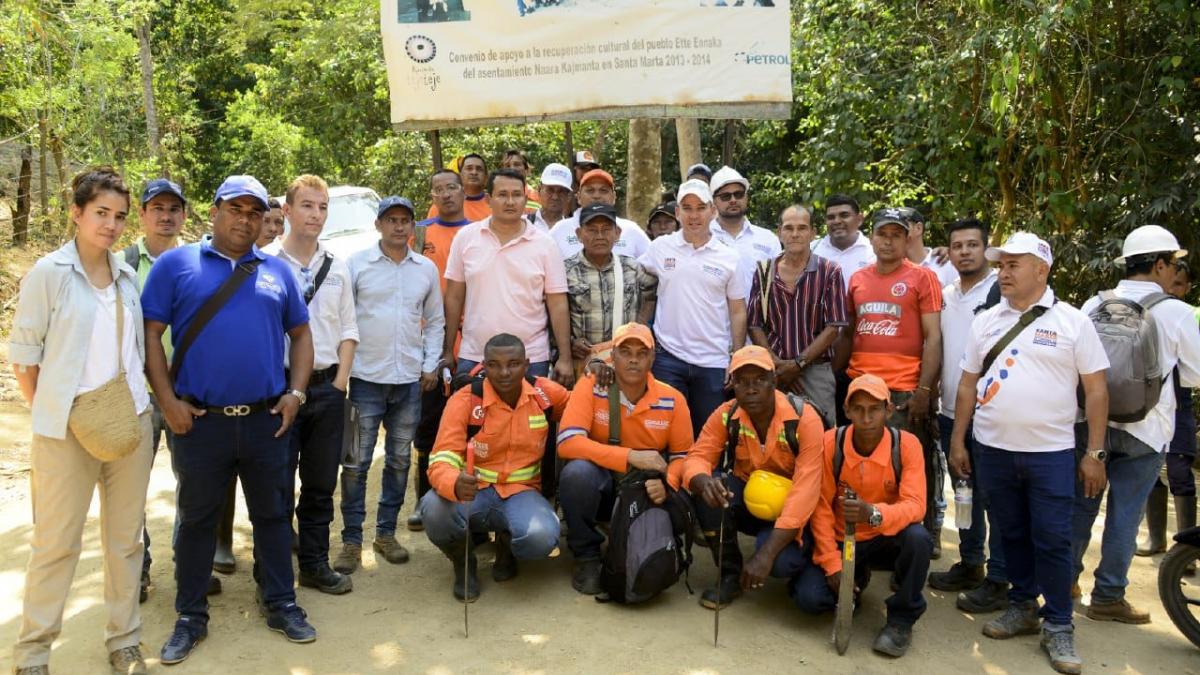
[{"x": 504, "y": 276}]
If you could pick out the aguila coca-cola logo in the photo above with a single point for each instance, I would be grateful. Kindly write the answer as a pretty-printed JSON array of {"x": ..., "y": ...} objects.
[{"x": 886, "y": 327}]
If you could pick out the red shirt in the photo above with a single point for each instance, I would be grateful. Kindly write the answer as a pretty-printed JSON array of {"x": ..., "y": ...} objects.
[{"x": 886, "y": 311}]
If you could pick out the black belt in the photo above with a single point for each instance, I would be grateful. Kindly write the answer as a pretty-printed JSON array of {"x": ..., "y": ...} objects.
[
  {"x": 236, "y": 410},
  {"x": 318, "y": 376}
]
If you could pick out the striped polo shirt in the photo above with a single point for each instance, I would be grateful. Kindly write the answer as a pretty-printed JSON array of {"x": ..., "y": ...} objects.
[{"x": 795, "y": 317}]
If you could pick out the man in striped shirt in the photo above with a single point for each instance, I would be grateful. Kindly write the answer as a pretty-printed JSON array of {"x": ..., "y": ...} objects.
[{"x": 797, "y": 305}]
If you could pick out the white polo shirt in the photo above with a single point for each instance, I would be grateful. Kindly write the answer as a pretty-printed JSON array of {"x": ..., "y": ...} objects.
[
  {"x": 852, "y": 259},
  {"x": 753, "y": 243},
  {"x": 945, "y": 271},
  {"x": 633, "y": 241},
  {"x": 1026, "y": 401},
  {"x": 539, "y": 221},
  {"x": 331, "y": 314},
  {"x": 958, "y": 311},
  {"x": 1178, "y": 345},
  {"x": 691, "y": 319}
]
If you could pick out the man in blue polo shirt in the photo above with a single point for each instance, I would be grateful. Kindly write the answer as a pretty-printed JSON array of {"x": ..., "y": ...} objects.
[{"x": 228, "y": 404}]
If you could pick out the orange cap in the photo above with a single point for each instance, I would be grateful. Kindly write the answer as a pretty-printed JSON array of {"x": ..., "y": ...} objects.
[
  {"x": 752, "y": 355},
  {"x": 597, "y": 174},
  {"x": 873, "y": 385},
  {"x": 633, "y": 331}
]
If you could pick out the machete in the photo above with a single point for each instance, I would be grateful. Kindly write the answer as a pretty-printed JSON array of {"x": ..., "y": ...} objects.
[
  {"x": 467, "y": 555},
  {"x": 845, "y": 605}
]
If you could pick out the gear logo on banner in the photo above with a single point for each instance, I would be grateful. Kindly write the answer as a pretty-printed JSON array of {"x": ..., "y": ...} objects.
[{"x": 420, "y": 48}]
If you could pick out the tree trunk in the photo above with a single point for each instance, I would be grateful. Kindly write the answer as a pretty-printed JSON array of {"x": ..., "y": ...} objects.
[
  {"x": 43, "y": 180},
  {"x": 60, "y": 167},
  {"x": 598, "y": 146},
  {"x": 147, "y": 63},
  {"x": 687, "y": 132},
  {"x": 21, "y": 217},
  {"x": 435, "y": 143},
  {"x": 645, "y": 162},
  {"x": 569, "y": 144},
  {"x": 728, "y": 141}
]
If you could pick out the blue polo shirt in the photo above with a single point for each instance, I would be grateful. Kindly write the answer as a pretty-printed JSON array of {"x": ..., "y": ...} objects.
[{"x": 238, "y": 357}]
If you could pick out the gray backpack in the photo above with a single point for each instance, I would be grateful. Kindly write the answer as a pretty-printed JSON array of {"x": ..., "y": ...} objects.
[{"x": 1130, "y": 338}]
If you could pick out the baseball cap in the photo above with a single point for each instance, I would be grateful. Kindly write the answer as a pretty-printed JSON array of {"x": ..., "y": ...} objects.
[
  {"x": 242, "y": 186},
  {"x": 694, "y": 187},
  {"x": 912, "y": 215},
  {"x": 1150, "y": 239},
  {"x": 665, "y": 208},
  {"x": 873, "y": 385},
  {"x": 890, "y": 217},
  {"x": 585, "y": 157},
  {"x": 597, "y": 174},
  {"x": 751, "y": 355},
  {"x": 633, "y": 331},
  {"x": 392, "y": 202},
  {"x": 1022, "y": 243},
  {"x": 592, "y": 211},
  {"x": 701, "y": 169},
  {"x": 724, "y": 176},
  {"x": 160, "y": 186},
  {"x": 557, "y": 174}
]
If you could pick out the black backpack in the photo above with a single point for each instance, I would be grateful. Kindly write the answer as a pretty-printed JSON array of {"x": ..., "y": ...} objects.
[
  {"x": 733, "y": 429},
  {"x": 839, "y": 455}
]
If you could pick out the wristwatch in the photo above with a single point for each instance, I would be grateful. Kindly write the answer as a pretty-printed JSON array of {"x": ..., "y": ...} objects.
[
  {"x": 876, "y": 518},
  {"x": 1098, "y": 454},
  {"x": 801, "y": 362},
  {"x": 301, "y": 396}
]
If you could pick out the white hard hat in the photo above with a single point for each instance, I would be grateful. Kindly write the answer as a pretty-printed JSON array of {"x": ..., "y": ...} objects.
[{"x": 1149, "y": 239}]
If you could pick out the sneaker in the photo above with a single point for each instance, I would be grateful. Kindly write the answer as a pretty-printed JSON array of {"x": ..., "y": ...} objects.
[
  {"x": 1059, "y": 645},
  {"x": 728, "y": 590},
  {"x": 1120, "y": 611},
  {"x": 990, "y": 596},
  {"x": 187, "y": 634},
  {"x": 1016, "y": 620},
  {"x": 32, "y": 670},
  {"x": 292, "y": 622},
  {"x": 144, "y": 591},
  {"x": 391, "y": 550},
  {"x": 127, "y": 661},
  {"x": 586, "y": 579},
  {"x": 893, "y": 640},
  {"x": 415, "y": 524},
  {"x": 349, "y": 559},
  {"x": 324, "y": 579},
  {"x": 960, "y": 577},
  {"x": 505, "y": 565}
]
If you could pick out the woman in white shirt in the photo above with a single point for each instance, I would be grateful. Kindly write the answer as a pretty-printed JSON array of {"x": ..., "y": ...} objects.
[{"x": 64, "y": 344}]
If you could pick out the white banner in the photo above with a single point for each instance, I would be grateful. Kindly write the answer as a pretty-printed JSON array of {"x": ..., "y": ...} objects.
[{"x": 476, "y": 62}]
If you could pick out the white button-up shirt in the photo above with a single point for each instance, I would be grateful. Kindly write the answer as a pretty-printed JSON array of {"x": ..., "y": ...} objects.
[
  {"x": 753, "y": 243},
  {"x": 633, "y": 241},
  {"x": 958, "y": 311},
  {"x": 401, "y": 321},
  {"x": 851, "y": 259},
  {"x": 331, "y": 311},
  {"x": 945, "y": 272}
]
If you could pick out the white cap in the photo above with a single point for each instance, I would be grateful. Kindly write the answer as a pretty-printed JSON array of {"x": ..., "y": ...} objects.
[
  {"x": 557, "y": 174},
  {"x": 724, "y": 176},
  {"x": 1149, "y": 239},
  {"x": 585, "y": 157},
  {"x": 694, "y": 187},
  {"x": 1022, "y": 243}
]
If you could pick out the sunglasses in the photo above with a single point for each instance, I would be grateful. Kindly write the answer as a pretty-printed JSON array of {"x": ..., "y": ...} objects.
[{"x": 726, "y": 196}]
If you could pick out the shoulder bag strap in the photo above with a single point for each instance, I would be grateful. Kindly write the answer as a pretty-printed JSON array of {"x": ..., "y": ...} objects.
[
  {"x": 614, "y": 414},
  {"x": 839, "y": 455},
  {"x": 1022, "y": 323},
  {"x": 766, "y": 277},
  {"x": 896, "y": 467},
  {"x": 120, "y": 309},
  {"x": 209, "y": 309},
  {"x": 321, "y": 274}
]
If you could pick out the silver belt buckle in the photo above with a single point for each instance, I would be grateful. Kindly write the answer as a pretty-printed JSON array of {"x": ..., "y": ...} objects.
[{"x": 236, "y": 410}]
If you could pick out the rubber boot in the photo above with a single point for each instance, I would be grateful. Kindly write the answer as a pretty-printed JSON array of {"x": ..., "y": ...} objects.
[
  {"x": 223, "y": 560},
  {"x": 1185, "y": 518},
  {"x": 466, "y": 578},
  {"x": 1156, "y": 522}
]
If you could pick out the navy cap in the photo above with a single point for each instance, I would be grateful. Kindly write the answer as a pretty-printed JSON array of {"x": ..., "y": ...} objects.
[
  {"x": 596, "y": 211},
  {"x": 890, "y": 217},
  {"x": 392, "y": 202},
  {"x": 665, "y": 208},
  {"x": 701, "y": 169},
  {"x": 912, "y": 215},
  {"x": 160, "y": 186},
  {"x": 242, "y": 186}
]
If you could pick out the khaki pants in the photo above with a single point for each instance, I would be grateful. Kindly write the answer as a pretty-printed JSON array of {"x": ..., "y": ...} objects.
[{"x": 63, "y": 478}]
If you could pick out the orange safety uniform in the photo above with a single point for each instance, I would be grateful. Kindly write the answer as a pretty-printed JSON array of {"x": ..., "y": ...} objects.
[
  {"x": 659, "y": 420},
  {"x": 874, "y": 480},
  {"x": 775, "y": 456},
  {"x": 509, "y": 445}
]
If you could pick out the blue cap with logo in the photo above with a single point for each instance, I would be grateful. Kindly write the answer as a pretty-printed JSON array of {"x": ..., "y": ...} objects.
[
  {"x": 161, "y": 186},
  {"x": 392, "y": 202},
  {"x": 242, "y": 186}
]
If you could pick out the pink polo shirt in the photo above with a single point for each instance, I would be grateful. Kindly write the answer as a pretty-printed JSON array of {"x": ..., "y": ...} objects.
[{"x": 506, "y": 287}]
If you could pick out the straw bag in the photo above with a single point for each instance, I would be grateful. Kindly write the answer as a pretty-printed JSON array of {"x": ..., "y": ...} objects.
[{"x": 104, "y": 420}]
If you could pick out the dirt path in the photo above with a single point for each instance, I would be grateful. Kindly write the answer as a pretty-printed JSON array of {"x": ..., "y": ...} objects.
[{"x": 403, "y": 619}]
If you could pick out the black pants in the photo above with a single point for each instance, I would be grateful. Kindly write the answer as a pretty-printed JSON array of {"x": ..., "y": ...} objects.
[
  {"x": 316, "y": 450},
  {"x": 433, "y": 403}
]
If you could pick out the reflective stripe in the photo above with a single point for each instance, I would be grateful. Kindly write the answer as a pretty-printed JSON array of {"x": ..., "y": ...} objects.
[
  {"x": 570, "y": 432},
  {"x": 448, "y": 457},
  {"x": 519, "y": 476},
  {"x": 538, "y": 422}
]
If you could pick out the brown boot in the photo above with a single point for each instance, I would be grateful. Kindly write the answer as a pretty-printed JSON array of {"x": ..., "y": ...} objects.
[
  {"x": 1120, "y": 611},
  {"x": 349, "y": 559},
  {"x": 391, "y": 550}
]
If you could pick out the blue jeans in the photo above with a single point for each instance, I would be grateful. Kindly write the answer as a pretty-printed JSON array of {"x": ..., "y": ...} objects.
[
  {"x": 536, "y": 368},
  {"x": 1132, "y": 471},
  {"x": 971, "y": 541},
  {"x": 215, "y": 450},
  {"x": 704, "y": 388},
  {"x": 585, "y": 490},
  {"x": 526, "y": 515},
  {"x": 1030, "y": 500},
  {"x": 397, "y": 407},
  {"x": 790, "y": 562}
]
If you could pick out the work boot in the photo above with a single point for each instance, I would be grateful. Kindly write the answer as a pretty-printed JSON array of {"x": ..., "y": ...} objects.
[
  {"x": 1059, "y": 644},
  {"x": 1120, "y": 611},
  {"x": 214, "y": 585},
  {"x": 893, "y": 640},
  {"x": 1016, "y": 620},
  {"x": 990, "y": 596},
  {"x": 466, "y": 579},
  {"x": 728, "y": 558},
  {"x": 324, "y": 579},
  {"x": 505, "y": 565},
  {"x": 32, "y": 670},
  {"x": 415, "y": 524},
  {"x": 391, "y": 550},
  {"x": 727, "y": 590},
  {"x": 586, "y": 578},
  {"x": 349, "y": 559},
  {"x": 1185, "y": 519},
  {"x": 960, "y": 577},
  {"x": 936, "y": 536},
  {"x": 1156, "y": 522},
  {"x": 127, "y": 661}
]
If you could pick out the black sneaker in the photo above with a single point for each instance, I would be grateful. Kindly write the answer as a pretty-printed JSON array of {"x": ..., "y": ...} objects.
[
  {"x": 960, "y": 577},
  {"x": 990, "y": 596},
  {"x": 893, "y": 640},
  {"x": 187, "y": 634},
  {"x": 505, "y": 566},
  {"x": 324, "y": 579},
  {"x": 586, "y": 579},
  {"x": 292, "y": 622},
  {"x": 728, "y": 590}
]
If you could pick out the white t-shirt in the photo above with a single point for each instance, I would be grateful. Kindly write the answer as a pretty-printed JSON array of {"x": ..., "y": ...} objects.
[
  {"x": 1026, "y": 401},
  {"x": 753, "y": 243},
  {"x": 100, "y": 364},
  {"x": 945, "y": 272},
  {"x": 691, "y": 319},
  {"x": 1178, "y": 345},
  {"x": 958, "y": 311},
  {"x": 331, "y": 312},
  {"x": 633, "y": 241},
  {"x": 851, "y": 259}
]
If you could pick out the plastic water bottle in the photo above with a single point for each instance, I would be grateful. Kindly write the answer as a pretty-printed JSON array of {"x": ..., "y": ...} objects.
[{"x": 962, "y": 504}]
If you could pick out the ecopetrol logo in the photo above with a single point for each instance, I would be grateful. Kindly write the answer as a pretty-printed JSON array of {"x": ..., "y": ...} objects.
[{"x": 753, "y": 57}]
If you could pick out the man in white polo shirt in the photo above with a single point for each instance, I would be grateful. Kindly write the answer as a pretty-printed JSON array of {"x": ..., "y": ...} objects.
[
  {"x": 731, "y": 196},
  {"x": 1136, "y": 449},
  {"x": 596, "y": 187},
  {"x": 701, "y": 309},
  {"x": 554, "y": 196},
  {"x": 843, "y": 244},
  {"x": 1022, "y": 398}
]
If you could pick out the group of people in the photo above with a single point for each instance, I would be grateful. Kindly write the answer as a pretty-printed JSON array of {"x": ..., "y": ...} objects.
[{"x": 534, "y": 350}]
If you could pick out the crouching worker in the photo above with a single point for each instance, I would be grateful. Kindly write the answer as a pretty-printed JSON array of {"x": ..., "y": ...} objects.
[
  {"x": 499, "y": 424},
  {"x": 885, "y": 469},
  {"x": 768, "y": 454},
  {"x": 653, "y": 421}
]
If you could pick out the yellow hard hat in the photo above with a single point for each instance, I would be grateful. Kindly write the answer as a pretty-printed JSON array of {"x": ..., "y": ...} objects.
[{"x": 765, "y": 494}]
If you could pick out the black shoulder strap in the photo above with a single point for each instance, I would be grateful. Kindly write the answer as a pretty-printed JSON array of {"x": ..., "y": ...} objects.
[
  {"x": 133, "y": 256},
  {"x": 614, "y": 414},
  {"x": 896, "y": 467},
  {"x": 209, "y": 309},
  {"x": 733, "y": 431},
  {"x": 839, "y": 455},
  {"x": 789, "y": 433},
  {"x": 321, "y": 274},
  {"x": 766, "y": 277},
  {"x": 1021, "y": 324},
  {"x": 992, "y": 299}
]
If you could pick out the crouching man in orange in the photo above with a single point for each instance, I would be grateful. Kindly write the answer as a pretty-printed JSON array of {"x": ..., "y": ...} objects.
[
  {"x": 496, "y": 426},
  {"x": 767, "y": 454},
  {"x": 886, "y": 470}
]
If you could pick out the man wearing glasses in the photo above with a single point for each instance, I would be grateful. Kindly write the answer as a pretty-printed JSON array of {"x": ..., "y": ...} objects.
[{"x": 731, "y": 194}]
